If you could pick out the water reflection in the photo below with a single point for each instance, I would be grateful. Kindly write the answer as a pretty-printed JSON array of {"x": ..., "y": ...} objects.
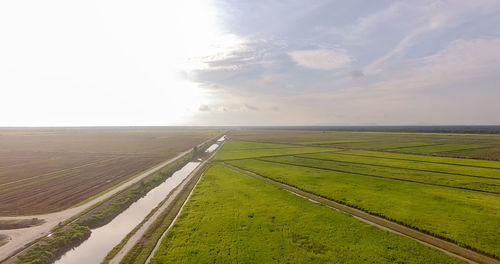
[{"x": 104, "y": 238}]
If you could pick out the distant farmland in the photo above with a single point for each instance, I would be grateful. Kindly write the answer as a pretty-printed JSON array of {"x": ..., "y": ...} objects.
[
  {"x": 477, "y": 146},
  {"x": 45, "y": 170},
  {"x": 452, "y": 198}
]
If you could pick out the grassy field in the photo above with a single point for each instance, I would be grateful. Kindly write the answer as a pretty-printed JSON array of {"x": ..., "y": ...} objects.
[
  {"x": 232, "y": 217},
  {"x": 48, "y": 249},
  {"x": 264, "y": 152},
  {"x": 381, "y": 186},
  {"x": 364, "y": 168},
  {"x": 480, "y": 146},
  {"x": 46, "y": 170}
]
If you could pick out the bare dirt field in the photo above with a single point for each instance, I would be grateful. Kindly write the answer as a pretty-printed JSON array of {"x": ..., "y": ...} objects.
[{"x": 45, "y": 170}]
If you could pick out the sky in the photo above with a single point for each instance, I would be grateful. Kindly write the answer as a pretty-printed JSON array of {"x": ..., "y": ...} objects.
[{"x": 229, "y": 62}]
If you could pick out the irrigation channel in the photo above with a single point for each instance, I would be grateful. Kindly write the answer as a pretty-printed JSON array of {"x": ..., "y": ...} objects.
[{"x": 104, "y": 238}]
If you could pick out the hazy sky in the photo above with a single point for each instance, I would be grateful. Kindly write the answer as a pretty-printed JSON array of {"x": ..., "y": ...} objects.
[{"x": 308, "y": 62}]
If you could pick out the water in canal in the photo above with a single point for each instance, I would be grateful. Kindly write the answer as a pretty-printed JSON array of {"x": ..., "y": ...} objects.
[{"x": 104, "y": 238}]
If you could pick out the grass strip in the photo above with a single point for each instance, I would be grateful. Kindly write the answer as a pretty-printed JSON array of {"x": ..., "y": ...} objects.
[
  {"x": 49, "y": 249},
  {"x": 392, "y": 173},
  {"x": 466, "y": 162},
  {"x": 454, "y": 169}
]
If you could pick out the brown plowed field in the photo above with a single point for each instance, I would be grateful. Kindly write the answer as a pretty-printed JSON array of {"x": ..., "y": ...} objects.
[{"x": 46, "y": 170}]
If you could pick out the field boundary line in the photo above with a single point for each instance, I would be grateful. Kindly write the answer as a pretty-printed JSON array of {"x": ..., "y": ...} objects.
[
  {"x": 485, "y": 147},
  {"x": 417, "y": 146},
  {"x": 388, "y": 151},
  {"x": 280, "y": 155},
  {"x": 381, "y": 177},
  {"x": 395, "y": 167},
  {"x": 446, "y": 246},
  {"x": 423, "y": 161}
]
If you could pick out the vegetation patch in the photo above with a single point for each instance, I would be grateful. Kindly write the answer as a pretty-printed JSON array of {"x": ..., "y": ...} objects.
[
  {"x": 4, "y": 239},
  {"x": 231, "y": 152},
  {"x": 435, "y": 210},
  {"x": 431, "y": 164},
  {"x": 393, "y": 172},
  {"x": 49, "y": 249},
  {"x": 232, "y": 217},
  {"x": 477, "y": 146}
]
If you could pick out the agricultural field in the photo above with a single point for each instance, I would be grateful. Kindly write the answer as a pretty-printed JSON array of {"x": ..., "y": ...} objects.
[
  {"x": 232, "y": 217},
  {"x": 451, "y": 198},
  {"x": 479, "y": 146},
  {"x": 46, "y": 170}
]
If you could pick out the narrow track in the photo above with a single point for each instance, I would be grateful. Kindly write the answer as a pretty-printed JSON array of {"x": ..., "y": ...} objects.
[{"x": 441, "y": 244}]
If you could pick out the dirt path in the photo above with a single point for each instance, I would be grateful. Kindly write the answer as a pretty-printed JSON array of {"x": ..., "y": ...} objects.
[
  {"x": 443, "y": 245},
  {"x": 20, "y": 237},
  {"x": 140, "y": 232}
]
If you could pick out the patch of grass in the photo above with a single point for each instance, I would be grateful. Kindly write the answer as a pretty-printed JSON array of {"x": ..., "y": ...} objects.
[
  {"x": 231, "y": 151},
  {"x": 241, "y": 145},
  {"x": 51, "y": 248},
  {"x": 232, "y": 217},
  {"x": 424, "y": 158},
  {"x": 388, "y": 172},
  {"x": 436, "y": 148},
  {"x": 4, "y": 239},
  {"x": 470, "y": 219},
  {"x": 404, "y": 161},
  {"x": 488, "y": 146}
]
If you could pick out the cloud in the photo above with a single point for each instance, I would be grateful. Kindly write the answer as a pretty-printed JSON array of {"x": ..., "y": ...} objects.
[
  {"x": 221, "y": 108},
  {"x": 251, "y": 107},
  {"x": 204, "y": 108},
  {"x": 356, "y": 74},
  {"x": 321, "y": 59}
]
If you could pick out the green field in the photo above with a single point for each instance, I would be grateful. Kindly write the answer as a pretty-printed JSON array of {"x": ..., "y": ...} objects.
[
  {"x": 480, "y": 146},
  {"x": 424, "y": 194},
  {"x": 232, "y": 217},
  {"x": 264, "y": 152},
  {"x": 364, "y": 168}
]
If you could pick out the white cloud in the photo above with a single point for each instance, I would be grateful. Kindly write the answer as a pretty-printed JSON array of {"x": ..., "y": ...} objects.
[{"x": 321, "y": 59}]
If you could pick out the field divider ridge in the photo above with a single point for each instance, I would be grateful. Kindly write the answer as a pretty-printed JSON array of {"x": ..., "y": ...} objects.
[
  {"x": 442, "y": 244},
  {"x": 280, "y": 155},
  {"x": 381, "y": 177},
  {"x": 423, "y": 161},
  {"x": 417, "y": 146},
  {"x": 395, "y": 167}
]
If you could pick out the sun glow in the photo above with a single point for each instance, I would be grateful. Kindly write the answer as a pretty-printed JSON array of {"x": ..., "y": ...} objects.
[{"x": 105, "y": 62}]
